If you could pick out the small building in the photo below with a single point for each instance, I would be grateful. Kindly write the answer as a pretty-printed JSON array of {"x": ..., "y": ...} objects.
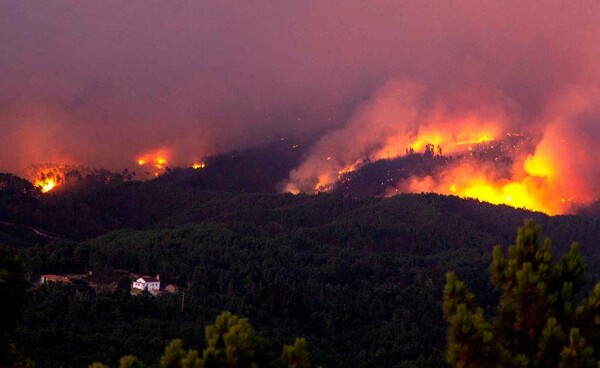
[
  {"x": 45, "y": 279},
  {"x": 146, "y": 283}
]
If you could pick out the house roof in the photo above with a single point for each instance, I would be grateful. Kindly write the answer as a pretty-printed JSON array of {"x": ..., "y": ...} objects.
[{"x": 148, "y": 279}]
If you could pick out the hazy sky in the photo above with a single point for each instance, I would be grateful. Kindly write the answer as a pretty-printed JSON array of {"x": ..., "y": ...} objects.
[{"x": 98, "y": 82}]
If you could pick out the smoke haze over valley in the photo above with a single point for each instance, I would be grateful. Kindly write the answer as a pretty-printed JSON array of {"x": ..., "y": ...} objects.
[{"x": 107, "y": 84}]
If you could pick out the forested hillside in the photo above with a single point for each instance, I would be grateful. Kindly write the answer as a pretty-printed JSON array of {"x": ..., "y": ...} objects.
[{"x": 360, "y": 279}]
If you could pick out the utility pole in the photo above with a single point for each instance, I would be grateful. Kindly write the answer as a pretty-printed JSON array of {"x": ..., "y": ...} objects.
[{"x": 182, "y": 300}]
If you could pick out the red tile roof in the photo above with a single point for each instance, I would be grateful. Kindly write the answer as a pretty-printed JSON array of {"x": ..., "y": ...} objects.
[
  {"x": 56, "y": 278},
  {"x": 149, "y": 279}
]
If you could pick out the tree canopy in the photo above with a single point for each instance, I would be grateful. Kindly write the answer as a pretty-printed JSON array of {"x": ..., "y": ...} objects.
[
  {"x": 231, "y": 343},
  {"x": 13, "y": 292},
  {"x": 539, "y": 321}
]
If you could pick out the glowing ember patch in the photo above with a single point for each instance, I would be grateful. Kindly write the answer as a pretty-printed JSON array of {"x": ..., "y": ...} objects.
[
  {"x": 157, "y": 159},
  {"x": 160, "y": 163},
  {"x": 197, "y": 166}
]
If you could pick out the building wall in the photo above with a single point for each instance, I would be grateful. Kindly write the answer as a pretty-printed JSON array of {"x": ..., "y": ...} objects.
[
  {"x": 146, "y": 285},
  {"x": 154, "y": 285}
]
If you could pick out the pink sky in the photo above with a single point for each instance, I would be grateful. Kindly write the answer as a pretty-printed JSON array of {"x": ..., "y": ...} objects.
[{"x": 97, "y": 82}]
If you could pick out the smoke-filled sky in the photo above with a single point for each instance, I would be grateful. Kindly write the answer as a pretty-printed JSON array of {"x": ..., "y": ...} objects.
[{"x": 99, "y": 82}]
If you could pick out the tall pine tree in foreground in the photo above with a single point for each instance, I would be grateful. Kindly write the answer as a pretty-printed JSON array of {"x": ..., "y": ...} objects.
[{"x": 538, "y": 323}]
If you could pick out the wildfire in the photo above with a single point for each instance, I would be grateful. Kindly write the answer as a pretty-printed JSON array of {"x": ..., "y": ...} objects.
[
  {"x": 198, "y": 165},
  {"x": 528, "y": 181},
  {"x": 483, "y": 139},
  {"x": 419, "y": 143},
  {"x": 348, "y": 169},
  {"x": 47, "y": 177},
  {"x": 438, "y": 140},
  {"x": 531, "y": 184},
  {"x": 541, "y": 166},
  {"x": 46, "y": 186},
  {"x": 157, "y": 160},
  {"x": 160, "y": 162},
  {"x": 324, "y": 183}
]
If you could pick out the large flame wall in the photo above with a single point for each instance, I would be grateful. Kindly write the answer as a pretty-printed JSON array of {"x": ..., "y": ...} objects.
[{"x": 401, "y": 118}]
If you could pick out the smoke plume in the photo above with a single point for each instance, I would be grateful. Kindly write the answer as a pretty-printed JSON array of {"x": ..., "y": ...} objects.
[{"x": 103, "y": 83}]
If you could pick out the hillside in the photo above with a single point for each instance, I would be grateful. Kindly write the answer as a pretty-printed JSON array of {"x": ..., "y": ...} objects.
[
  {"x": 361, "y": 279},
  {"x": 359, "y": 276}
]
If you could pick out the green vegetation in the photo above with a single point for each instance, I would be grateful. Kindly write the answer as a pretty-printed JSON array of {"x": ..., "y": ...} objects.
[
  {"x": 232, "y": 343},
  {"x": 539, "y": 322},
  {"x": 353, "y": 307},
  {"x": 13, "y": 288},
  {"x": 359, "y": 279},
  {"x": 296, "y": 355}
]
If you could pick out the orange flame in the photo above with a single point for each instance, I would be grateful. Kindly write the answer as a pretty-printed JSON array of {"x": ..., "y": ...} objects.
[
  {"x": 198, "y": 165},
  {"x": 348, "y": 169},
  {"x": 47, "y": 177},
  {"x": 157, "y": 159},
  {"x": 553, "y": 171},
  {"x": 444, "y": 135},
  {"x": 451, "y": 135},
  {"x": 531, "y": 185},
  {"x": 531, "y": 182}
]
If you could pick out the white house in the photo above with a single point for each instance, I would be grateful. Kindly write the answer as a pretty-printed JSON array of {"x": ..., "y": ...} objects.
[
  {"x": 147, "y": 283},
  {"x": 45, "y": 279}
]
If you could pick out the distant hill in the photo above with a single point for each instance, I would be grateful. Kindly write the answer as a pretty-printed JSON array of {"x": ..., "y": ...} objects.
[
  {"x": 256, "y": 169},
  {"x": 361, "y": 279},
  {"x": 234, "y": 183},
  {"x": 360, "y": 276}
]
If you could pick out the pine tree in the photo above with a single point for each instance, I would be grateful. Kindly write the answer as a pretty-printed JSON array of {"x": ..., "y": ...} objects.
[
  {"x": 230, "y": 342},
  {"x": 537, "y": 323},
  {"x": 191, "y": 360},
  {"x": 130, "y": 361},
  {"x": 97, "y": 365},
  {"x": 173, "y": 354},
  {"x": 296, "y": 355}
]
